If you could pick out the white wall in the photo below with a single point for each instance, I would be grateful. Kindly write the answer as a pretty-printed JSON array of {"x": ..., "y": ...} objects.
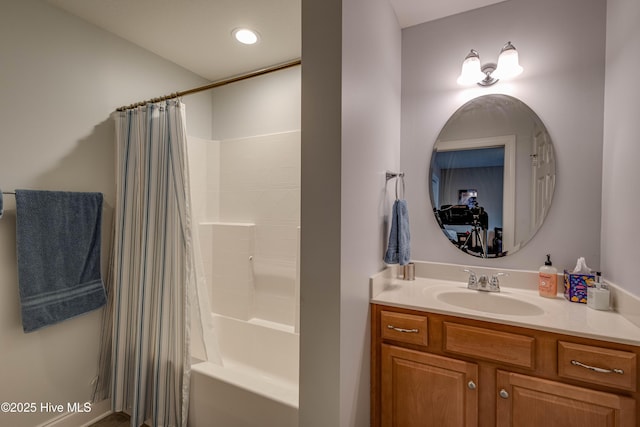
[
  {"x": 351, "y": 136},
  {"x": 61, "y": 79},
  {"x": 258, "y": 106},
  {"x": 251, "y": 175},
  {"x": 204, "y": 169},
  {"x": 620, "y": 205},
  {"x": 259, "y": 185},
  {"x": 562, "y": 53}
]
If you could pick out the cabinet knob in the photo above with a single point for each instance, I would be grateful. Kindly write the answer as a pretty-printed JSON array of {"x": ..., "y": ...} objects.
[
  {"x": 504, "y": 394},
  {"x": 471, "y": 385}
]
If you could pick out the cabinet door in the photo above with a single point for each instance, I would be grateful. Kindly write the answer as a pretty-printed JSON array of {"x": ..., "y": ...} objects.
[
  {"x": 425, "y": 390},
  {"x": 533, "y": 402}
]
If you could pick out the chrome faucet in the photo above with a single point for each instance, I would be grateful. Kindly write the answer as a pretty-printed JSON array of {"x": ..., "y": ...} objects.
[
  {"x": 472, "y": 283},
  {"x": 494, "y": 283},
  {"x": 483, "y": 283}
]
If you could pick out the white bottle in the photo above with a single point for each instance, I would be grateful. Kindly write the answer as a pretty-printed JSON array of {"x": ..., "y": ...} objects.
[{"x": 598, "y": 296}]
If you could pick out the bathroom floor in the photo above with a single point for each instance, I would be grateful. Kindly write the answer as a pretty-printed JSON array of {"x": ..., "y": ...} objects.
[{"x": 117, "y": 419}]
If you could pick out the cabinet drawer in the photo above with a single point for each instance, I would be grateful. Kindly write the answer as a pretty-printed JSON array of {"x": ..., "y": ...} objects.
[
  {"x": 407, "y": 328},
  {"x": 597, "y": 365},
  {"x": 514, "y": 349}
]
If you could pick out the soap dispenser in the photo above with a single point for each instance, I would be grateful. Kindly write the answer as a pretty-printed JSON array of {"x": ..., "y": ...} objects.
[{"x": 548, "y": 279}]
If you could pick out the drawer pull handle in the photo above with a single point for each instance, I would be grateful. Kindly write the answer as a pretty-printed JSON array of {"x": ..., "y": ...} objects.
[
  {"x": 408, "y": 331},
  {"x": 601, "y": 370},
  {"x": 504, "y": 394}
]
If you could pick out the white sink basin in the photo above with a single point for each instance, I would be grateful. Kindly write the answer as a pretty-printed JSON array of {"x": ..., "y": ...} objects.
[{"x": 490, "y": 302}]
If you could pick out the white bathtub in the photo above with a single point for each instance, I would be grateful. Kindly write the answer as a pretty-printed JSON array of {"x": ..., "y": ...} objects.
[{"x": 258, "y": 384}]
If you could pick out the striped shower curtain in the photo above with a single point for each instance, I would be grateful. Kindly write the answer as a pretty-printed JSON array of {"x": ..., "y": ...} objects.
[{"x": 153, "y": 266}]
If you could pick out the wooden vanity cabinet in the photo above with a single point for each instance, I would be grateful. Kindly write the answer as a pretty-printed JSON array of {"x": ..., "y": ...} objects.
[
  {"x": 526, "y": 401},
  {"x": 418, "y": 386},
  {"x": 433, "y": 370}
]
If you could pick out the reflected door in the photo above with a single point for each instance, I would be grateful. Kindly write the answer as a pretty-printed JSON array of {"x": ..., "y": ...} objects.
[{"x": 543, "y": 169}]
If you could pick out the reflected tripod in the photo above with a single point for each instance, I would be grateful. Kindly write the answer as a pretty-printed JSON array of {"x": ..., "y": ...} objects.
[{"x": 479, "y": 233}]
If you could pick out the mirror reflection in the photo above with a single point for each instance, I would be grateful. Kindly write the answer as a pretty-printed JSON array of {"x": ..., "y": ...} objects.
[{"x": 492, "y": 176}]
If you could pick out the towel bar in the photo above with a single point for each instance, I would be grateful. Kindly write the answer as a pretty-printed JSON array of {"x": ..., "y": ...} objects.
[{"x": 391, "y": 175}]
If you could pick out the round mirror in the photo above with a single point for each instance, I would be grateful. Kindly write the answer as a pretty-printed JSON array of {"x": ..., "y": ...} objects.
[{"x": 492, "y": 176}]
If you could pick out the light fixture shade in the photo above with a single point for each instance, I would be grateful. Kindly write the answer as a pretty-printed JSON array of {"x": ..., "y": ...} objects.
[
  {"x": 471, "y": 72},
  {"x": 508, "y": 64},
  {"x": 245, "y": 35}
]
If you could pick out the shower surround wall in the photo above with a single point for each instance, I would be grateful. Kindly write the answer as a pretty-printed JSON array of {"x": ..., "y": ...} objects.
[
  {"x": 246, "y": 198},
  {"x": 246, "y": 195},
  {"x": 245, "y": 186}
]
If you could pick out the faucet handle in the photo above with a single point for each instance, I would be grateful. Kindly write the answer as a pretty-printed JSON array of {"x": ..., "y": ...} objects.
[
  {"x": 494, "y": 283},
  {"x": 472, "y": 283}
]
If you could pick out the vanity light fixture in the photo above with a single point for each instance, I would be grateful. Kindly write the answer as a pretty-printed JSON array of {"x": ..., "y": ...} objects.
[
  {"x": 489, "y": 74},
  {"x": 245, "y": 36}
]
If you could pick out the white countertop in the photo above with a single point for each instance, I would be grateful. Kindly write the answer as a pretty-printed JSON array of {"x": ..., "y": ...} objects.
[{"x": 555, "y": 314}]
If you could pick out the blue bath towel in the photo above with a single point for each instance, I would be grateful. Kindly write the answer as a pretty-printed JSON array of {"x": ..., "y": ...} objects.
[
  {"x": 398, "y": 250},
  {"x": 58, "y": 246}
]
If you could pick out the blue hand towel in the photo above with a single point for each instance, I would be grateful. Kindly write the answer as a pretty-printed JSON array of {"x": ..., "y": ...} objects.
[
  {"x": 58, "y": 246},
  {"x": 398, "y": 250}
]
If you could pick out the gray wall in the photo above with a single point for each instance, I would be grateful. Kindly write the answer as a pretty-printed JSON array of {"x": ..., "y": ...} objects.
[
  {"x": 351, "y": 136},
  {"x": 320, "y": 325},
  {"x": 620, "y": 203},
  {"x": 61, "y": 80},
  {"x": 371, "y": 87},
  {"x": 563, "y": 54}
]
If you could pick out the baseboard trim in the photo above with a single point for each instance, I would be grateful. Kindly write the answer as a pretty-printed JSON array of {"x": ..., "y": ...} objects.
[{"x": 83, "y": 419}]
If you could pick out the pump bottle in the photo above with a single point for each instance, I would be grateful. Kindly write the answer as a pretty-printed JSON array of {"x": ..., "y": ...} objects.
[{"x": 548, "y": 279}]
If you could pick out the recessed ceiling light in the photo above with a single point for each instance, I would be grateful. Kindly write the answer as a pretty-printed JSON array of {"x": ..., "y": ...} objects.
[{"x": 245, "y": 36}]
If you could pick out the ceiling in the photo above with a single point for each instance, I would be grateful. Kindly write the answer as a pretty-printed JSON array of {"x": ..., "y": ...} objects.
[
  {"x": 413, "y": 12},
  {"x": 196, "y": 34}
]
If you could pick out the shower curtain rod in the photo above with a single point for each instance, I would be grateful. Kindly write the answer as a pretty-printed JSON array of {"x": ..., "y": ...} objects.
[{"x": 218, "y": 83}]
